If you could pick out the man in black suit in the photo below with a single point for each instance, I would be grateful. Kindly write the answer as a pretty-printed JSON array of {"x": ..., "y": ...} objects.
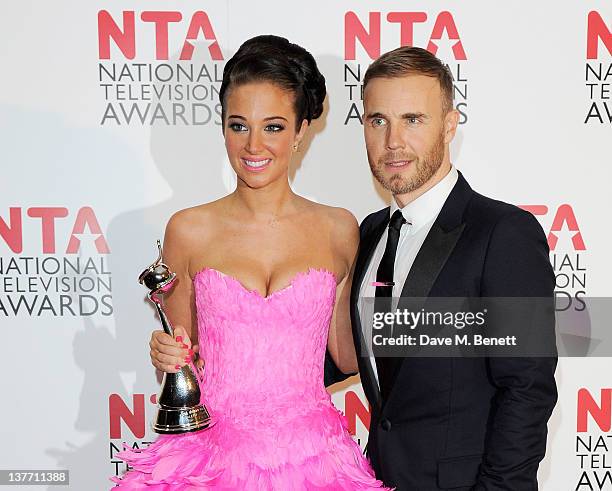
[{"x": 477, "y": 423}]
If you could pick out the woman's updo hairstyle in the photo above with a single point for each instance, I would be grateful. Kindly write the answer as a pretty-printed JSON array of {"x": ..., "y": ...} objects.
[{"x": 274, "y": 59}]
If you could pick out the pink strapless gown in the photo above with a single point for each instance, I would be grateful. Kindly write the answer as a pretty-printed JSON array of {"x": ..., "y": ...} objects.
[{"x": 276, "y": 427}]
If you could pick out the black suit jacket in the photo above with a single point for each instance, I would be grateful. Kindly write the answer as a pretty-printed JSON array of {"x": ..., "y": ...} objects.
[{"x": 463, "y": 423}]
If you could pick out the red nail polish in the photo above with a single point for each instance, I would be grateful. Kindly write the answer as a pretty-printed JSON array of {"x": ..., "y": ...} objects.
[
  {"x": 187, "y": 359},
  {"x": 177, "y": 366},
  {"x": 184, "y": 346},
  {"x": 190, "y": 352},
  {"x": 179, "y": 339}
]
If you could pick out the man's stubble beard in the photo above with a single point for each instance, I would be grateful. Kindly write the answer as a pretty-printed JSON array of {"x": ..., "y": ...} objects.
[{"x": 425, "y": 169}]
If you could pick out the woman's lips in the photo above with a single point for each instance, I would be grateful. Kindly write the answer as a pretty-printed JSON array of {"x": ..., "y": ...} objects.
[{"x": 255, "y": 164}]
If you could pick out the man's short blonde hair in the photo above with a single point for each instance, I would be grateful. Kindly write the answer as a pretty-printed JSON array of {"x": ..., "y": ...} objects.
[{"x": 410, "y": 60}]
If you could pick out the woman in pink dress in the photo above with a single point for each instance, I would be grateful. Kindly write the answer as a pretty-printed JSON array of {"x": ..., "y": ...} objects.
[{"x": 263, "y": 285}]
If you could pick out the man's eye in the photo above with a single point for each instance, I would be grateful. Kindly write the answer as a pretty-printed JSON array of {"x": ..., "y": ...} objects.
[
  {"x": 413, "y": 120},
  {"x": 237, "y": 127},
  {"x": 378, "y": 122},
  {"x": 274, "y": 128}
]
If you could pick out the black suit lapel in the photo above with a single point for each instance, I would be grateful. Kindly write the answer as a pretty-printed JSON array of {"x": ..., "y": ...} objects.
[
  {"x": 435, "y": 251},
  {"x": 429, "y": 261},
  {"x": 367, "y": 246}
]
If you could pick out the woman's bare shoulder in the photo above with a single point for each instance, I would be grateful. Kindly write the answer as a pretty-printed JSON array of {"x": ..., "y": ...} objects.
[
  {"x": 342, "y": 225},
  {"x": 340, "y": 218},
  {"x": 195, "y": 222}
]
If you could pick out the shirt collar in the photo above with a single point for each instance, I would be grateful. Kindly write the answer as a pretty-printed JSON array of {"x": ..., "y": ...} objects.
[{"x": 426, "y": 207}]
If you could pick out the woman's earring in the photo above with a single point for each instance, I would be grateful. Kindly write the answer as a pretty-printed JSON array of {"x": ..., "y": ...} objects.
[{"x": 295, "y": 147}]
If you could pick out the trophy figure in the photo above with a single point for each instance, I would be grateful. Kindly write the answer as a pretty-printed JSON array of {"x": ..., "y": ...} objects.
[{"x": 178, "y": 404}]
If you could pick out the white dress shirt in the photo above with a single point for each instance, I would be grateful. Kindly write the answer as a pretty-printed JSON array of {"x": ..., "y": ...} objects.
[{"x": 420, "y": 215}]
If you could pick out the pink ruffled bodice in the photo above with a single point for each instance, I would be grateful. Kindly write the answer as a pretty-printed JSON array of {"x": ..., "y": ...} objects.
[
  {"x": 275, "y": 425},
  {"x": 264, "y": 353}
]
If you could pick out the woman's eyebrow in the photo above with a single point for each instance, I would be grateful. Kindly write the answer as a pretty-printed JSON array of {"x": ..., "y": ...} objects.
[
  {"x": 275, "y": 117},
  {"x": 237, "y": 116}
]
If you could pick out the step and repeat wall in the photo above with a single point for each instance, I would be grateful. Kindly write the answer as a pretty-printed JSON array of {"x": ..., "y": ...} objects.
[{"x": 110, "y": 122}]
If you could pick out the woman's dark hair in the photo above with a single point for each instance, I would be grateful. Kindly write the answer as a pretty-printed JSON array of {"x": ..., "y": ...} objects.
[{"x": 274, "y": 59}]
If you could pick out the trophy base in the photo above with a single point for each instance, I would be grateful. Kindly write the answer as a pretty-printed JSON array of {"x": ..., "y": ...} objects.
[{"x": 181, "y": 420}]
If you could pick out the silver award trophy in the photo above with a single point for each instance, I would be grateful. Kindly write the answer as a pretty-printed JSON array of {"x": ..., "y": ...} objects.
[{"x": 178, "y": 403}]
